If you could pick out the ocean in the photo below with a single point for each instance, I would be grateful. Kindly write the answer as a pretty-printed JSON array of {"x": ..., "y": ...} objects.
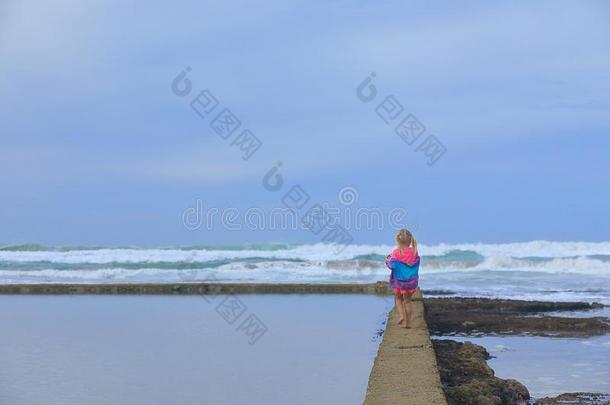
[{"x": 540, "y": 270}]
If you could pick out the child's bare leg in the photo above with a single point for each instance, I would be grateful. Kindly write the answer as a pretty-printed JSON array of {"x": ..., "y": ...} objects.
[
  {"x": 400, "y": 307},
  {"x": 408, "y": 309}
]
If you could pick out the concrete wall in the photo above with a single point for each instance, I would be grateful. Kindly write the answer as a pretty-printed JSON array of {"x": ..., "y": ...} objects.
[{"x": 380, "y": 288}]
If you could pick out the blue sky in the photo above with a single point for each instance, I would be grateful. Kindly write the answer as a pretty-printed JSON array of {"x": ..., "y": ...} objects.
[{"x": 96, "y": 149}]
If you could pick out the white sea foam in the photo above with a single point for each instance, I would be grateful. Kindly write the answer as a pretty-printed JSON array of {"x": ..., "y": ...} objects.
[
  {"x": 560, "y": 271},
  {"x": 577, "y": 265},
  {"x": 537, "y": 249},
  {"x": 550, "y": 257}
]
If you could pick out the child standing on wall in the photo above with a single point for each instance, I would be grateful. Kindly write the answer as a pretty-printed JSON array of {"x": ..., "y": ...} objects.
[{"x": 404, "y": 263}]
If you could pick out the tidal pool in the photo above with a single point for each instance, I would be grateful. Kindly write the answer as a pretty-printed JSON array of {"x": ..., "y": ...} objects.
[
  {"x": 271, "y": 349},
  {"x": 550, "y": 366}
]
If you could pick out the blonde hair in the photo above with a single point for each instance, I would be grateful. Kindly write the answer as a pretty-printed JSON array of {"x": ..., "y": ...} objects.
[{"x": 405, "y": 239}]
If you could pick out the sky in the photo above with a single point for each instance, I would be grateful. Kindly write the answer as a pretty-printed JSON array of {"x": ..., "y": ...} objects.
[{"x": 97, "y": 149}]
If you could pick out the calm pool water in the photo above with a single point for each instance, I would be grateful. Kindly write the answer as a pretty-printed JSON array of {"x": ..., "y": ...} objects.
[
  {"x": 187, "y": 350},
  {"x": 550, "y": 366}
]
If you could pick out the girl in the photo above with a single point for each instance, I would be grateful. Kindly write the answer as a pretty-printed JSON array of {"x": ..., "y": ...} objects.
[{"x": 404, "y": 263}]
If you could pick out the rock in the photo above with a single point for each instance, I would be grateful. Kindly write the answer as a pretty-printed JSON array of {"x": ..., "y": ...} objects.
[
  {"x": 576, "y": 398},
  {"x": 478, "y": 315},
  {"x": 468, "y": 380},
  {"x": 517, "y": 388}
]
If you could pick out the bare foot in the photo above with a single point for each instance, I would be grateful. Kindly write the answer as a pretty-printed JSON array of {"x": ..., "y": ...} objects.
[
  {"x": 401, "y": 321},
  {"x": 407, "y": 326}
]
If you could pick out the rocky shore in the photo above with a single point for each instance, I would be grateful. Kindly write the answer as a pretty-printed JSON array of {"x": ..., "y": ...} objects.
[
  {"x": 467, "y": 379},
  {"x": 465, "y": 376},
  {"x": 576, "y": 398},
  {"x": 471, "y": 316}
]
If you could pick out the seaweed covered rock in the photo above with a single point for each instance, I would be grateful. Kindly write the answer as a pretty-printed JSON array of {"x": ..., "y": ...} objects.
[
  {"x": 576, "y": 398},
  {"x": 512, "y": 317},
  {"x": 468, "y": 380}
]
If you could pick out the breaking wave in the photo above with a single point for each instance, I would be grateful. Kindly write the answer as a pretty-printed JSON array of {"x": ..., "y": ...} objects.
[{"x": 542, "y": 269}]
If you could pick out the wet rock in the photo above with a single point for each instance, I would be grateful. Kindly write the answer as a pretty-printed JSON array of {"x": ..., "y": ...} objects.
[
  {"x": 576, "y": 398},
  {"x": 468, "y": 380},
  {"x": 438, "y": 292},
  {"x": 478, "y": 315}
]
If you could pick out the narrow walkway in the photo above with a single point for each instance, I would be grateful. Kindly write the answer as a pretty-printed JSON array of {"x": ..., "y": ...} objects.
[{"x": 405, "y": 370}]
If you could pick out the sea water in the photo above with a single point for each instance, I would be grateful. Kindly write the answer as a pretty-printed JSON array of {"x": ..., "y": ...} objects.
[{"x": 552, "y": 271}]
